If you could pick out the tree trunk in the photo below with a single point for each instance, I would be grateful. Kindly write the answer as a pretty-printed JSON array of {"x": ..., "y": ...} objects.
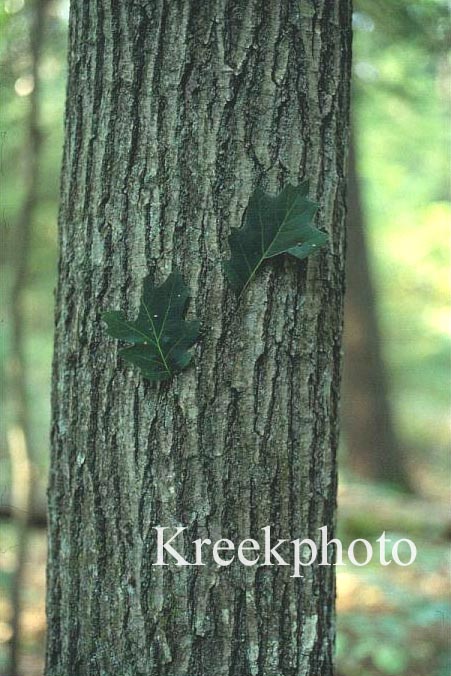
[
  {"x": 373, "y": 447},
  {"x": 175, "y": 112}
]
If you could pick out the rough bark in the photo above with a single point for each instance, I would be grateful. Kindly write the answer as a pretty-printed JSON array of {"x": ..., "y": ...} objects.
[
  {"x": 373, "y": 447},
  {"x": 175, "y": 112}
]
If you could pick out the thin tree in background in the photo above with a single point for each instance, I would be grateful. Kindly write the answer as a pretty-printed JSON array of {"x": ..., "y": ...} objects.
[
  {"x": 19, "y": 434},
  {"x": 373, "y": 447},
  {"x": 175, "y": 113},
  {"x": 375, "y": 450}
]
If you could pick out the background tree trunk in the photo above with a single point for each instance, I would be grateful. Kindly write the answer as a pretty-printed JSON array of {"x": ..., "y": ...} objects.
[
  {"x": 20, "y": 441},
  {"x": 373, "y": 447},
  {"x": 175, "y": 112}
]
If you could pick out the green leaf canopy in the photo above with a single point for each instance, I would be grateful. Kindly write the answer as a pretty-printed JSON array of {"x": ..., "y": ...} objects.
[
  {"x": 160, "y": 336},
  {"x": 273, "y": 225}
]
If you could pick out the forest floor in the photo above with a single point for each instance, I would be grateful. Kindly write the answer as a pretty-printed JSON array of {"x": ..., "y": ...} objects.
[{"x": 392, "y": 621}]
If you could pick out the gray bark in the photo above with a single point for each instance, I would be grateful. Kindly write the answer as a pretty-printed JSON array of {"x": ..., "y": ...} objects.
[{"x": 175, "y": 112}]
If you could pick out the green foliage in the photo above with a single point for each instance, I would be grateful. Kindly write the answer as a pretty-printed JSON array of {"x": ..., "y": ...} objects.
[
  {"x": 274, "y": 225},
  {"x": 400, "y": 83},
  {"x": 378, "y": 644},
  {"x": 390, "y": 659},
  {"x": 160, "y": 336},
  {"x": 423, "y": 23}
]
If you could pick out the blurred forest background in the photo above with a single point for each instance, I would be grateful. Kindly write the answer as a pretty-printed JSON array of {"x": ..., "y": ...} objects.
[{"x": 395, "y": 467}]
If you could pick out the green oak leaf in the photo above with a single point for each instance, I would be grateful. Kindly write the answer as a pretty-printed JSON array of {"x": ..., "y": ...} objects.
[
  {"x": 273, "y": 225},
  {"x": 160, "y": 336}
]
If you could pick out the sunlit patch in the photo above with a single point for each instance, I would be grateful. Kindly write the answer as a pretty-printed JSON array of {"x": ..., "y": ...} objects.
[
  {"x": 352, "y": 593},
  {"x": 13, "y": 6},
  {"x": 6, "y": 632},
  {"x": 24, "y": 85}
]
